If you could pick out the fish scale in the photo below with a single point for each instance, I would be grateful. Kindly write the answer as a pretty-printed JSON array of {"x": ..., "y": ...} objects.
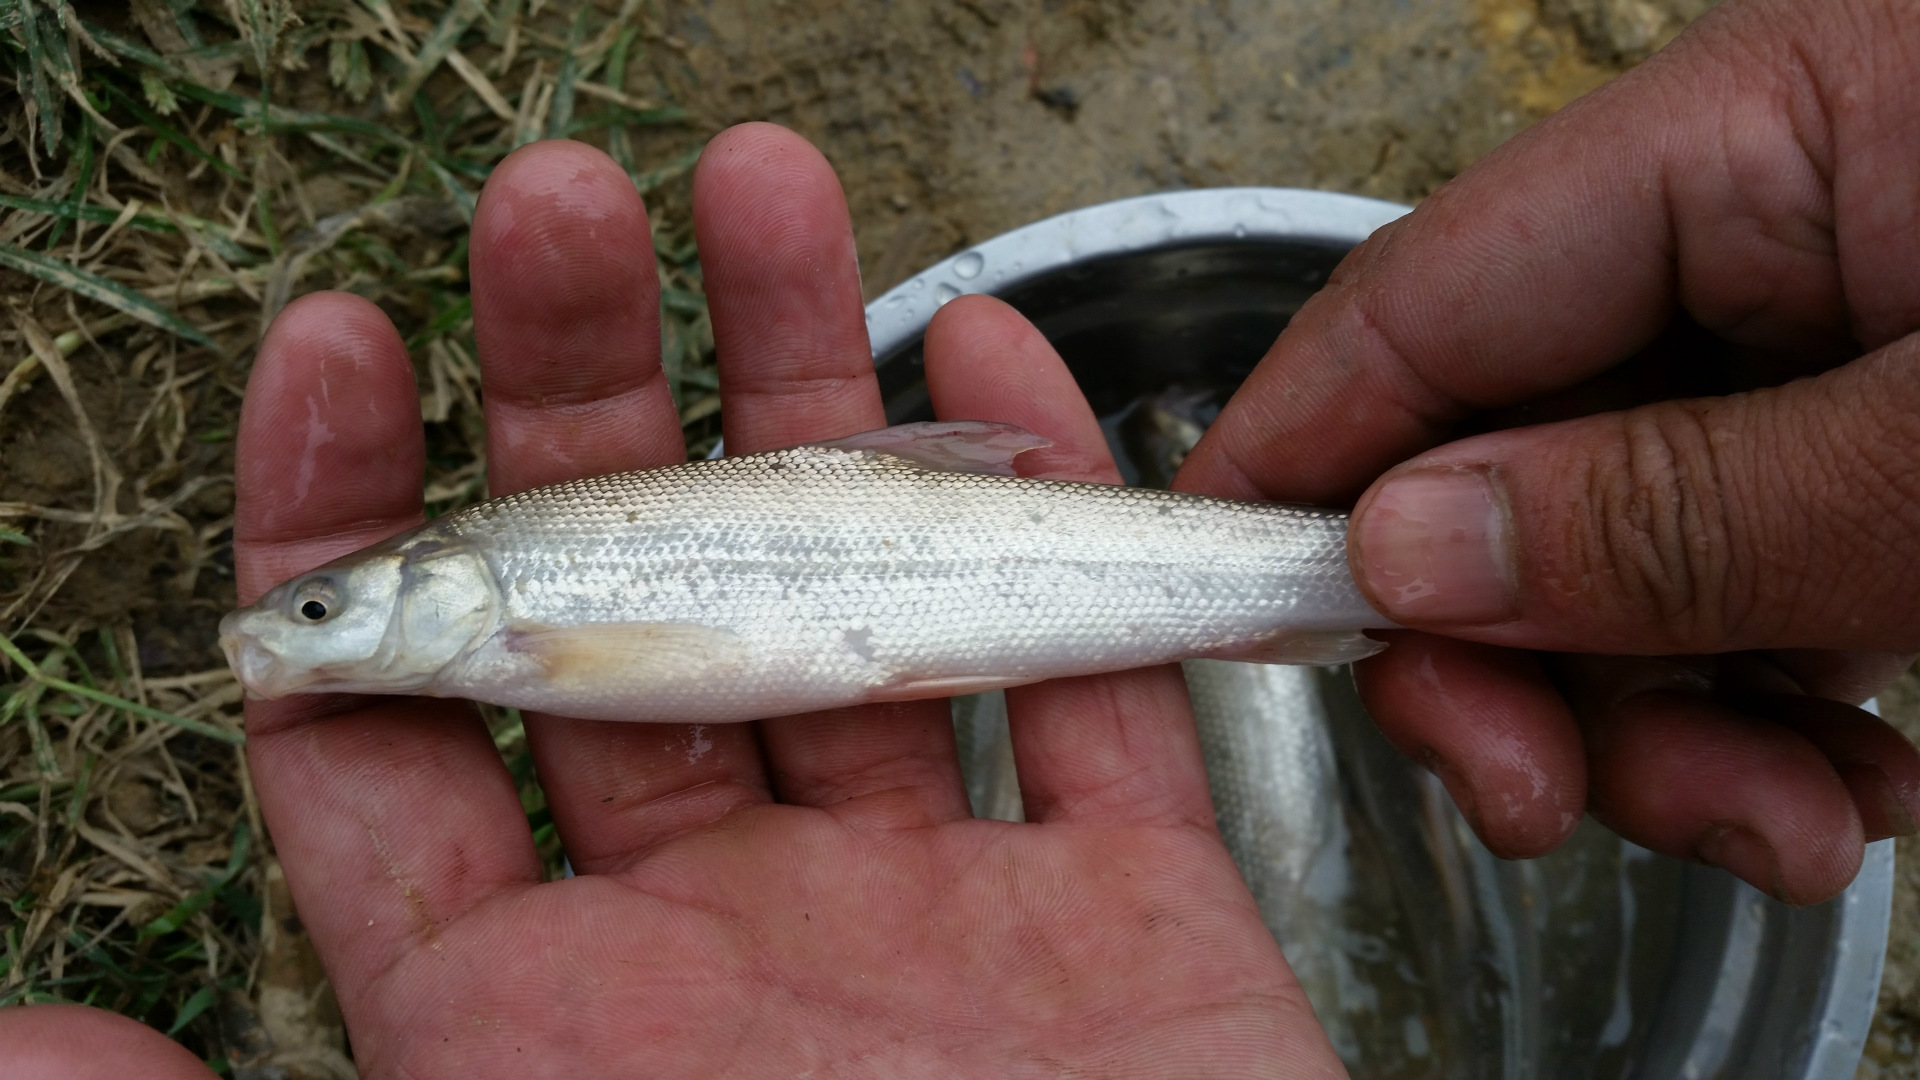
[{"x": 826, "y": 575}]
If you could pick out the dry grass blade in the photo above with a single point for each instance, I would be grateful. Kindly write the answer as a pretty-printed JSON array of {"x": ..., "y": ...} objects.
[
  {"x": 158, "y": 514},
  {"x": 607, "y": 93},
  {"x": 65, "y": 275},
  {"x": 34, "y": 673},
  {"x": 21, "y": 373},
  {"x": 106, "y": 477},
  {"x": 483, "y": 86},
  {"x": 438, "y": 44},
  {"x": 85, "y": 212},
  {"x": 162, "y": 130}
]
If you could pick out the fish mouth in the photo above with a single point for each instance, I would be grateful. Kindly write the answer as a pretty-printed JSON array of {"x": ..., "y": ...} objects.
[{"x": 260, "y": 672}]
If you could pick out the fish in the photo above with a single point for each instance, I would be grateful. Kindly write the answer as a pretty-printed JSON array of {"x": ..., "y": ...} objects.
[
  {"x": 1271, "y": 764},
  {"x": 1157, "y": 433},
  {"x": 1271, "y": 768},
  {"x": 909, "y": 562},
  {"x": 1268, "y": 752},
  {"x": 983, "y": 738},
  {"x": 1277, "y": 802}
]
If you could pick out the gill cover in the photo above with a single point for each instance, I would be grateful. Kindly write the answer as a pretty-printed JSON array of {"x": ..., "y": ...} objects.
[{"x": 449, "y": 602}]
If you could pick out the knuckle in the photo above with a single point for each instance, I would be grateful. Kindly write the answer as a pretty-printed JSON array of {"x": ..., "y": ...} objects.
[{"x": 1658, "y": 541}]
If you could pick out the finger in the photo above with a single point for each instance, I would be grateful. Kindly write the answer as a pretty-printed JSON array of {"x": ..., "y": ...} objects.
[
  {"x": 75, "y": 1042},
  {"x": 783, "y": 285},
  {"x": 1880, "y": 768},
  {"x": 1852, "y": 677},
  {"x": 566, "y": 310},
  {"x": 1775, "y": 519},
  {"x": 985, "y": 361},
  {"x": 784, "y": 289},
  {"x": 330, "y": 456},
  {"x": 1491, "y": 725},
  {"x": 1106, "y": 749},
  {"x": 1689, "y": 777},
  {"x": 1722, "y": 176},
  {"x": 1811, "y": 691},
  {"x": 392, "y": 815},
  {"x": 567, "y": 317}
]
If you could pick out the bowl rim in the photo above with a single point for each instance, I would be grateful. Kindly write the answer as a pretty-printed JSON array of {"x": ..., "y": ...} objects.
[{"x": 898, "y": 317}]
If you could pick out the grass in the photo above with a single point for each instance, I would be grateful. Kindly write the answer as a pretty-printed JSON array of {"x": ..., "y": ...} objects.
[{"x": 172, "y": 173}]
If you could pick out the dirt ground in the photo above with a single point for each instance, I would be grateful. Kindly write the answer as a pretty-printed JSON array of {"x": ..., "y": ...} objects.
[
  {"x": 949, "y": 121},
  {"x": 953, "y": 122}
]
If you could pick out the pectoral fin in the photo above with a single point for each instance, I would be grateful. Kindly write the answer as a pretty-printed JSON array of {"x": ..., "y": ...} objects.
[
  {"x": 604, "y": 654},
  {"x": 974, "y": 446},
  {"x": 1319, "y": 647}
]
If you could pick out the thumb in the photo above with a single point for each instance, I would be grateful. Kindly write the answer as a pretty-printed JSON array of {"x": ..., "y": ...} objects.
[{"x": 1786, "y": 517}]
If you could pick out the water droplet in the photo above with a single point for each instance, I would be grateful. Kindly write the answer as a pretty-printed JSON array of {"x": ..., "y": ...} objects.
[
  {"x": 944, "y": 292},
  {"x": 1239, "y": 230},
  {"x": 918, "y": 283},
  {"x": 969, "y": 265}
]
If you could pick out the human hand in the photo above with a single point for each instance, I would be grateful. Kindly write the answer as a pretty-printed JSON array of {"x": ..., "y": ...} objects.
[
  {"x": 803, "y": 895},
  {"x": 1759, "y": 179}
]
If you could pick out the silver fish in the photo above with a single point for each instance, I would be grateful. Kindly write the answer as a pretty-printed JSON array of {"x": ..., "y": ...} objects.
[
  {"x": 898, "y": 564},
  {"x": 984, "y": 739},
  {"x": 1269, "y": 755},
  {"x": 1270, "y": 765},
  {"x": 1276, "y": 798}
]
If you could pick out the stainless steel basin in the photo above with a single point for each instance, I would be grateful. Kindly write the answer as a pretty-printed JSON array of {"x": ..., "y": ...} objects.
[{"x": 1602, "y": 960}]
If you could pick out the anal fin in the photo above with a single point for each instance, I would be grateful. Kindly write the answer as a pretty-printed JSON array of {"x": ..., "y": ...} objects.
[{"x": 1318, "y": 647}]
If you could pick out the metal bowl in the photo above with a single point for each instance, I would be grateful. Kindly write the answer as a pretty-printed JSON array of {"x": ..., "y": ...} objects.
[{"x": 1602, "y": 960}]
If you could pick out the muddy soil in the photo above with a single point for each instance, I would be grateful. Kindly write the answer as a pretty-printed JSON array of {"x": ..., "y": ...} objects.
[{"x": 951, "y": 122}]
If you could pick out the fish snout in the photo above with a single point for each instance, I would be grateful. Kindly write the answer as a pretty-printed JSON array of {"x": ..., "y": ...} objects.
[
  {"x": 252, "y": 665},
  {"x": 260, "y": 672}
]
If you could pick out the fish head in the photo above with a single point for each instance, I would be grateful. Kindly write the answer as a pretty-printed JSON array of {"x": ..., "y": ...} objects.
[{"x": 387, "y": 619}]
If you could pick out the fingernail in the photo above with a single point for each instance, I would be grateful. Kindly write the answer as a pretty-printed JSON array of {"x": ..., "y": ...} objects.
[
  {"x": 1882, "y": 812},
  {"x": 1431, "y": 546},
  {"x": 1743, "y": 853}
]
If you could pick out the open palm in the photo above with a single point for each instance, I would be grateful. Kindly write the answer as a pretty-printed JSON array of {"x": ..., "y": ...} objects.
[{"x": 802, "y": 896}]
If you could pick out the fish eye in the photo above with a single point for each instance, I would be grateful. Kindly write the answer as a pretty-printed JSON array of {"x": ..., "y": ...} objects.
[{"x": 315, "y": 599}]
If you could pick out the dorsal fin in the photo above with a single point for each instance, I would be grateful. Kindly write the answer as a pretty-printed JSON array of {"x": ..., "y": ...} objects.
[{"x": 974, "y": 446}]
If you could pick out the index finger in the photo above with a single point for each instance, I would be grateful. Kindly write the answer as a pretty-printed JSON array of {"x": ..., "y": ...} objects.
[
  {"x": 391, "y": 815},
  {"x": 1699, "y": 181}
]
